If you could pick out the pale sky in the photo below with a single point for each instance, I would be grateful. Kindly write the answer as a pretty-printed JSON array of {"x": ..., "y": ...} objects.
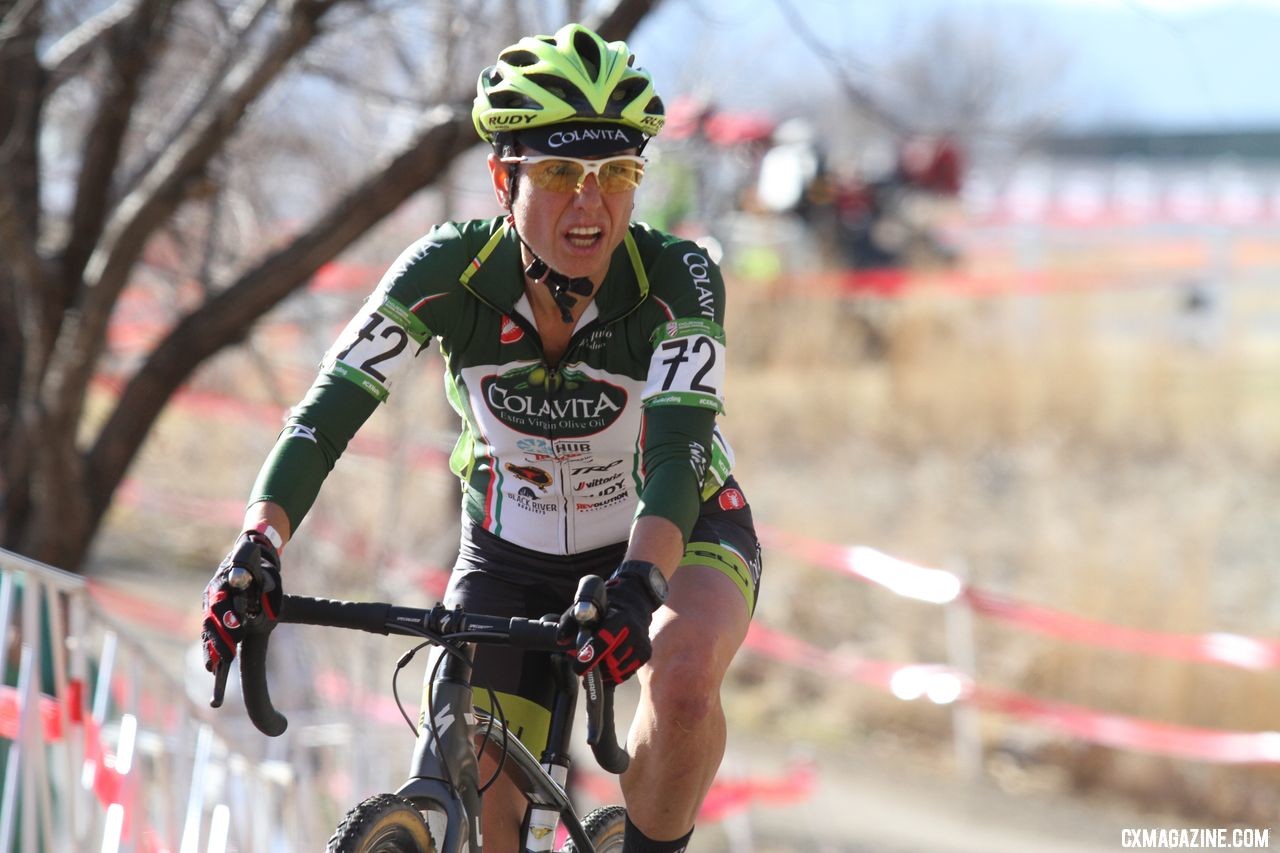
[{"x": 1184, "y": 64}]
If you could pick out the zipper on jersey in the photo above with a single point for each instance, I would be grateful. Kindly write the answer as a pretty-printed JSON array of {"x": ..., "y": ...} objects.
[{"x": 552, "y": 378}]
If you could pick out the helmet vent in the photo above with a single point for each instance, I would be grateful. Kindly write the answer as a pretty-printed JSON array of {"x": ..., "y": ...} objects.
[
  {"x": 512, "y": 101},
  {"x": 588, "y": 51},
  {"x": 628, "y": 90},
  {"x": 520, "y": 58},
  {"x": 562, "y": 89}
]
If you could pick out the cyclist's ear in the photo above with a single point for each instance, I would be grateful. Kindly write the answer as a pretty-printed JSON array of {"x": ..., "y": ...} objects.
[{"x": 503, "y": 180}]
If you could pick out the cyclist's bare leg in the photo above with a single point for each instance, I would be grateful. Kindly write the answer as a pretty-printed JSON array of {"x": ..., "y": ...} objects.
[
  {"x": 503, "y": 810},
  {"x": 678, "y": 736}
]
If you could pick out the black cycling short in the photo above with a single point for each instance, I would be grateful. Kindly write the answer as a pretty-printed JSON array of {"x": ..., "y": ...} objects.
[{"x": 496, "y": 577}]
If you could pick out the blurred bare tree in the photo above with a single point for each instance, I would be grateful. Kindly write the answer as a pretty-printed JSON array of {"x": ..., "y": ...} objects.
[
  {"x": 959, "y": 75},
  {"x": 968, "y": 78},
  {"x": 225, "y": 150}
]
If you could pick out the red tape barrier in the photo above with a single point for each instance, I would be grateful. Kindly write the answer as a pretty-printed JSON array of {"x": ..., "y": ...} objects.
[
  {"x": 943, "y": 685},
  {"x": 11, "y": 715},
  {"x": 939, "y": 586}
]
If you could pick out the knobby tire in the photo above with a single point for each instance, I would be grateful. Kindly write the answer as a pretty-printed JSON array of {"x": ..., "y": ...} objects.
[
  {"x": 605, "y": 828},
  {"x": 384, "y": 823}
]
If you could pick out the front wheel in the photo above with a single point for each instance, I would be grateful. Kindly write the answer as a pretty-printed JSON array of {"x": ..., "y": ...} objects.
[
  {"x": 605, "y": 828},
  {"x": 384, "y": 823}
]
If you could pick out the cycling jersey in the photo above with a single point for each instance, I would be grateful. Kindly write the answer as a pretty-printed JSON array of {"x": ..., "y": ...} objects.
[{"x": 557, "y": 459}]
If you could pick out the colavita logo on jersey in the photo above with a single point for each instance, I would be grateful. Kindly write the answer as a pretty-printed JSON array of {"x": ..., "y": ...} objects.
[{"x": 536, "y": 401}]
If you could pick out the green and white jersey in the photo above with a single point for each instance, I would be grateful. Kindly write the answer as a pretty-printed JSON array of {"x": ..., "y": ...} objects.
[{"x": 550, "y": 458}]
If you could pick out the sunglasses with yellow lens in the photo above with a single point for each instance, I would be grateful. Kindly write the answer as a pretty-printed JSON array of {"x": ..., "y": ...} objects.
[{"x": 568, "y": 174}]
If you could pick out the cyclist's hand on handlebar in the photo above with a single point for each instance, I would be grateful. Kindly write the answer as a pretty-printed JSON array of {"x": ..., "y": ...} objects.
[
  {"x": 619, "y": 643},
  {"x": 243, "y": 595}
]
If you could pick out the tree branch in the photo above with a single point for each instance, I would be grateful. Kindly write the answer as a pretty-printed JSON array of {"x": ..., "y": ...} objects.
[
  {"x": 617, "y": 23},
  {"x": 131, "y": 49},
  {"x": 67, "y": 55},
  {"x": 83, "y": 336},
  {"x": 228, "y": 317},
  {"x": 857, "y": 96},
  {"x": 243, "y": 22},
  {"x": 17, "y": 19},
  {"x": 20, "y": 109}
]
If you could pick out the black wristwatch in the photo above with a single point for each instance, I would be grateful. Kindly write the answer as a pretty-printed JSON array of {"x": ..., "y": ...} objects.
[{"x": 651, "y": 578}]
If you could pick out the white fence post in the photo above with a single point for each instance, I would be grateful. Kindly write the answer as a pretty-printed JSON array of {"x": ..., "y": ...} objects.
[{"x": 962, "y": 655}]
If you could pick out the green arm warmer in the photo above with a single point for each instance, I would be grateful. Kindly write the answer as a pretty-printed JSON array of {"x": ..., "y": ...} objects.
[
  {"x": 315, "y": 435},
  {"x": 673, "y": 473}
]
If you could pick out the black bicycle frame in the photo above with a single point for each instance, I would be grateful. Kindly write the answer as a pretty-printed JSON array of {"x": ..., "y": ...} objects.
[{"x": 445, "y": 773}]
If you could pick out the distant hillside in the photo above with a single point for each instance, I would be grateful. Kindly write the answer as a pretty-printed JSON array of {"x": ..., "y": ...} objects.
[{"x": 1259, "y": 146}]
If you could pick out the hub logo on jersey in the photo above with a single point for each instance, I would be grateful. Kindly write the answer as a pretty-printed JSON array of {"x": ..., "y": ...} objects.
[
  {"x": 530, "y": 474},
  {"x": 537, "y": 401},
  {"x": 542, "y": 450},
  {"x": 510, "y": 331}
]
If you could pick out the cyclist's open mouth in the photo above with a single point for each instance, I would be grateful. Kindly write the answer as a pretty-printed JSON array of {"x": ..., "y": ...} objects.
[{"x": 584, "y": 237}]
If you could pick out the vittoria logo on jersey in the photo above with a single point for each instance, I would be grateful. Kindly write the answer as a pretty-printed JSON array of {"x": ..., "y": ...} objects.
[
  {"x": 537, "y": 401},
  {"x": 511, "y": 332}
]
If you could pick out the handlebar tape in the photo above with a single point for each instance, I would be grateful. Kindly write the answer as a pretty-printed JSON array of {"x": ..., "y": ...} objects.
[
  {"x": 253, "y": 683},
  {"x": 357, "y": 615},
  {"x": 361, "y": 616},
  {"x": 601, "y": 734}
]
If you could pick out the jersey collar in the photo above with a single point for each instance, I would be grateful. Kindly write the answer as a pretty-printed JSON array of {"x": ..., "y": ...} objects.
[{"x": 490, "y": 276}]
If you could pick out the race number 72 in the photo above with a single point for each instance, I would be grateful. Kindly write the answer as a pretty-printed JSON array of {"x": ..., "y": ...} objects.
[
  {"x": 700, "y": 355},
  {"x": 398, "y": 337}
]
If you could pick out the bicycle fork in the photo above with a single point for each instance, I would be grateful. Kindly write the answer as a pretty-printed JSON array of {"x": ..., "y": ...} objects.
[{"x": 444, "y": 770}]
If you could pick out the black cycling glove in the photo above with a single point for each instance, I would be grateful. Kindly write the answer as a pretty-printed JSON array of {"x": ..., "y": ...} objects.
[
  {"x": 619, "y": 643},
  {"x": 229, "y": 612}
]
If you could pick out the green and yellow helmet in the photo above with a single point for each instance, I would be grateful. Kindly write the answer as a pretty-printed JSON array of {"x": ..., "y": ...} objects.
[{"x": 572, "y": 78}]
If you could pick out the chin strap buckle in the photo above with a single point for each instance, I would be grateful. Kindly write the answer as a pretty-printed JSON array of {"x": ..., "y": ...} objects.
[{"x": 560, "y": 286}]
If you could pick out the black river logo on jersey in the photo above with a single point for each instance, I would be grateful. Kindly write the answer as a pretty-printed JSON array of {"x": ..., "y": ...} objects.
[{"x": 564, "y": 403}]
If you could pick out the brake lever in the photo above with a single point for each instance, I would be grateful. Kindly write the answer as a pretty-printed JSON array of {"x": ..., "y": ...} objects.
[
  {"x": 588, "y": 607},
  {"x": 220, "y": 683},
  {"x": 238, "y": 578}
]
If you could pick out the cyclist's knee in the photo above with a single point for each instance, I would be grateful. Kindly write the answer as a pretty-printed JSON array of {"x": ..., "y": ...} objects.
[{"x": 684, "y": 686}]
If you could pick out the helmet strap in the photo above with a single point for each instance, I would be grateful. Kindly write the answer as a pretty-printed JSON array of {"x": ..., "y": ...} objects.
[{"x": 560, "y": 285}]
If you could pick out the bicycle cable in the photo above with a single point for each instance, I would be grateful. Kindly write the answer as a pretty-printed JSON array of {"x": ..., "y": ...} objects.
[
  {"x": 395, "y": 676},
  {"x": 502, "y": 755},
  {"x": 445, "y": 646}
]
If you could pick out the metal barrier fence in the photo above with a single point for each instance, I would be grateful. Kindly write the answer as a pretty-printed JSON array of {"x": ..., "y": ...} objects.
[{"x": 103, "y": 748}]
